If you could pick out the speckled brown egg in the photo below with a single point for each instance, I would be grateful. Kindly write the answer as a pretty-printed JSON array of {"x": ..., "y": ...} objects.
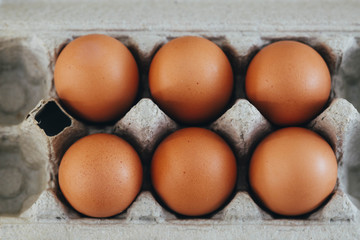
[
  {"x": 100, "y": 175},
  {"x": 293, "y": 171},
  {"x": 193, "y": 171},
  {"x": 191, "y": 79},
  {"x": 289, "y": 82},
  {"x": 96, "y": 78}
]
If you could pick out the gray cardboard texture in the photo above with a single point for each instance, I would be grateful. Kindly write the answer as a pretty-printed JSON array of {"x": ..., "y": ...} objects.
[{"x": 33, "y": 32}]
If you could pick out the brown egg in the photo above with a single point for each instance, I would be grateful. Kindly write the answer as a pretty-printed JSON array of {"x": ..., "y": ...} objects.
[
  {"x": 191, "y": 79},
  {"x": 289, "y": 82},
  {"x": 100, "y": 175},
  {"x": 193, "y": 171},
  {"x": 293, "y": 171},
  {"x": 96, "y": 78}
]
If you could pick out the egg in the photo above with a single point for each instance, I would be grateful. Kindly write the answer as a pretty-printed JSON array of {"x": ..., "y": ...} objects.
[
  {"x": 100, "y": 175},
  {"x": 96, "y": 78},
  {"x": 289, "y": 82},
  {"x": 191, "y": 79},
  {"x": 193, "y": 171},
  {"x": 293, "y": 171}
]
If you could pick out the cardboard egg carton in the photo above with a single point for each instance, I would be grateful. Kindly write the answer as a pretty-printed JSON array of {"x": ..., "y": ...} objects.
[{"x": 35, "y": 130}]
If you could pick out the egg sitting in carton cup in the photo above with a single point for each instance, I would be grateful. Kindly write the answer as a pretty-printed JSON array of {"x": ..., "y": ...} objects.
[{"x": 192, "y": 142}]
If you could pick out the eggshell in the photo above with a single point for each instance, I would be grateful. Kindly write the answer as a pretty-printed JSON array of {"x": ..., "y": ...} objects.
[
  {"x": 289, "y": 82},
  {"x": 191, "y": 79},
  {"x": 293, "y": 171},
  {"x": 100, "y": 175},
  {"x": 96, "y": 78},
  {"x": 193, "y": 171}
]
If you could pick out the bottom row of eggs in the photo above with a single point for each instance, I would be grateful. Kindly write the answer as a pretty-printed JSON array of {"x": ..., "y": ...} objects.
[{"x": 194, "y": 171}]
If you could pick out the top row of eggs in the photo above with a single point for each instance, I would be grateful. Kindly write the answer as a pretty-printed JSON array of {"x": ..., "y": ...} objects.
[{"x": 191, "y": 79}]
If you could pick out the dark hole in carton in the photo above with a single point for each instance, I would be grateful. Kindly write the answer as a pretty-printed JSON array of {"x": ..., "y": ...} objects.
[{"x": 52, "y": 119}]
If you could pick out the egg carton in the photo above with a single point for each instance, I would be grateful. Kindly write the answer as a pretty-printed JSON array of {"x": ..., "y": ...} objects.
[{"x": 35, "y": 130}]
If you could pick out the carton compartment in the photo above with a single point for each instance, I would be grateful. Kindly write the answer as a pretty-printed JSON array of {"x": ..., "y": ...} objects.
[
  {"x": 23, "y": 75},
  {"x": 349, "y": 73},
  {"x": 20, "y": 182},
  {"x": 351, "y": 167},
  {"x": 348, "y": 76}
]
